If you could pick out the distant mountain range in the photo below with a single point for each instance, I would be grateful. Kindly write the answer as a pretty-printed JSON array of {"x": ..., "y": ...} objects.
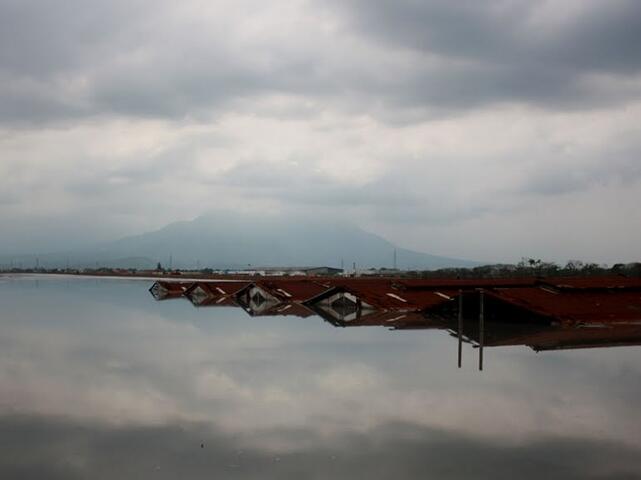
[{"x": 241, "y": 241}]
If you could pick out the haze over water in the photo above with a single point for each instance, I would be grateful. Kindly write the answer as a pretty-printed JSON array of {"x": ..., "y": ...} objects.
[{"x": 98, "y": 380}]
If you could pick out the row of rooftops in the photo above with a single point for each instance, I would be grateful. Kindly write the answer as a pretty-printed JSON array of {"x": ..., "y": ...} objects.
[
  {"x": 563, "y": 299},
  {"x": 544, "y": 314}
]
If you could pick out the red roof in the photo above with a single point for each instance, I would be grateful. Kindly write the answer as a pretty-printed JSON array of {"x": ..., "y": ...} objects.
[
  {"x": 174, "y": 287},
  {"x": 575, "y": 306},
  {"x": 613, "y": 282},
  {"x": 218, "y": 288},
  {"x": 571, "y": 300},
  {"x": 285, "y": 309},
  {"x": 464, "y": 283},
  {"x": 570, "y": 338},
  {"x": 223, "y": 301},
  {"x": 378, "y": 318},
  {"x": 381, "y": 294},
  {"x": 292, "y": 309},
  {"x": 293, "y": 290},
  {"x": 162, "y": 290}
]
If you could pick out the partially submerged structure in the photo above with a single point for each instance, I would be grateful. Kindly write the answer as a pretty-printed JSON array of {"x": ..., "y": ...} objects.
[
  {"x": 211, "y": 293},
  {"x": 564, "y": 301},
  {"x": 542, "y": 313},
  {"x": 350, "y": 299},
  {"x": 577, "y": 337},
  {"x": 163, "y": 290},
  {"x": 278, "y": 297}
]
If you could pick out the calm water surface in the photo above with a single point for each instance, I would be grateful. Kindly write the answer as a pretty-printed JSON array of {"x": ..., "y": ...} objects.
[{"x": 98, "y": 380}]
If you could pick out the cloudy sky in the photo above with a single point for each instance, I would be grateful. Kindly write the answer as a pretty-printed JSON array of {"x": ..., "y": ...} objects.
[{"x": 486, "y": 130}]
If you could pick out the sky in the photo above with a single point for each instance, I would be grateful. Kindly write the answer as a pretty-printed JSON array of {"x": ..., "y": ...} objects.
[{"x": 483, "y": 130}]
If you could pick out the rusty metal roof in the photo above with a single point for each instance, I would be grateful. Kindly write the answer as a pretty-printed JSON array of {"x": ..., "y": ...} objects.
[
  {"x": 575, "y": 306},
  {"x": 174, "y": 287},
  {"x": 285, "y": 309},
  {"x": 222, "y": 301},
  {"x": 569, "y": 300},
  {"x": 162, "y": 290},
  {"x": 464, "y": 283},
  {"x": 594, "y": 283},
  {"x": 381, "y": 294},
  {"x": 575, "y": 337},
  {"x": 293, "y": 290},
  {"x": 383, "y": 318},
  {"x": 204, "y": 293},
  {"x": 218, "y": 288}
]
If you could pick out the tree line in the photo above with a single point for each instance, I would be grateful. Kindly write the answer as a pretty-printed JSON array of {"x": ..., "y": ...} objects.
[{"x": 534, "y": 267}]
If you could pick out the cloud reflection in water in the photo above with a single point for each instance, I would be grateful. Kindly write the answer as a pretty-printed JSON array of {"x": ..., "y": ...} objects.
[{"x": 99, "y": 380}]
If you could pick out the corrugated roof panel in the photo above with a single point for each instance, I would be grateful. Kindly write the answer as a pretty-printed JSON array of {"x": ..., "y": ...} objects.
[
  {"x": 576, "y": 306},
  {"x": 611, "y": 282},
  {"x": 295, "y": 290}
]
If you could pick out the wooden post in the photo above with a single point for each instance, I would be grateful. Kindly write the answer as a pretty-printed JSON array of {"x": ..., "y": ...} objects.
[
  {"x": 481, "y": 327},
  {"x": 460, "y": 328}
]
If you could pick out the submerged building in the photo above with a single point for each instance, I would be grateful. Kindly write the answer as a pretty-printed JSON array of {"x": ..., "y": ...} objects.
[{"x": 162, "y": 290}]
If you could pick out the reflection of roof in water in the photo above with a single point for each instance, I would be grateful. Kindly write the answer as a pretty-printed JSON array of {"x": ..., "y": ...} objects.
[
  {"x": 542, "y": 337},
  {"x": 575, "y": 306},
  {"x": 162, "y": 290},
  {"x": 582, "y": 337},
  {"x": 383, "y": 318},
  {"x": 463, "y": 283},
  {"x": 222, "y": 301},
  {"x": 217, "y": 289},
  {"x": 368, "y": 318},
  {"x": 546, "y": 300},
  {"x": 211, "y": 294},
  {"x": 292, "y": 290},
  {"x": 285, "y": 310},
  {"x": 598, "y": 283},
  {"x": 543, "y": 314},
  {"x": 383, "y": 295}
]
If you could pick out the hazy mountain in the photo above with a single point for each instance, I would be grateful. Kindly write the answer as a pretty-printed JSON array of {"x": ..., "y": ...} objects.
[
  {"x": 237, "y": 241},
  {"x": 222, "y": 241}
]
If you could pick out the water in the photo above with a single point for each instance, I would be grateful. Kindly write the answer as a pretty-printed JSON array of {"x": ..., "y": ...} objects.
[{"x": 98, "y": 380}]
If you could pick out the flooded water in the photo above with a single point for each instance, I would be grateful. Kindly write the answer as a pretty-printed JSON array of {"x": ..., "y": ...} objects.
[{"x": 98, "y": 380}]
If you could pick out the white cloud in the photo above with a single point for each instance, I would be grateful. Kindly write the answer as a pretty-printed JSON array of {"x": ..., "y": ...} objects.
[{"x": 142, "y": 115}]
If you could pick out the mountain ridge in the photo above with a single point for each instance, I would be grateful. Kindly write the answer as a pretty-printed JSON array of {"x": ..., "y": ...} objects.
[{"x": 231, "y": 241}]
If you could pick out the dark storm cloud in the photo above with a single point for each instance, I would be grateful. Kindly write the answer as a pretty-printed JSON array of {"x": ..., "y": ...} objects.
[
  {"x": 43, "y": 38},
  {"x": 39, "y": 447},
  {"x": 89, "y": 58},
  {"x": 595, "y": 36},
  {"x": 45, "y": 46},
  {"x": 139, "y": 58},
  {"x": 513, "y": 53},
  {"x": 34, "y": 104}
]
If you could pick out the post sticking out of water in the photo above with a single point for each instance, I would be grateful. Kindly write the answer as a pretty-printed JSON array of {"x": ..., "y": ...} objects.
[
  {"x": 481, "y": 327},
  {"x": 460, "y": 328}
]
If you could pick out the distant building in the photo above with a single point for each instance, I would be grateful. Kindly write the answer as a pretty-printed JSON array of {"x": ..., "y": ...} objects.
[
  {"x": 322, "y": 271},
  {"x": 289, "y": 271}
]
